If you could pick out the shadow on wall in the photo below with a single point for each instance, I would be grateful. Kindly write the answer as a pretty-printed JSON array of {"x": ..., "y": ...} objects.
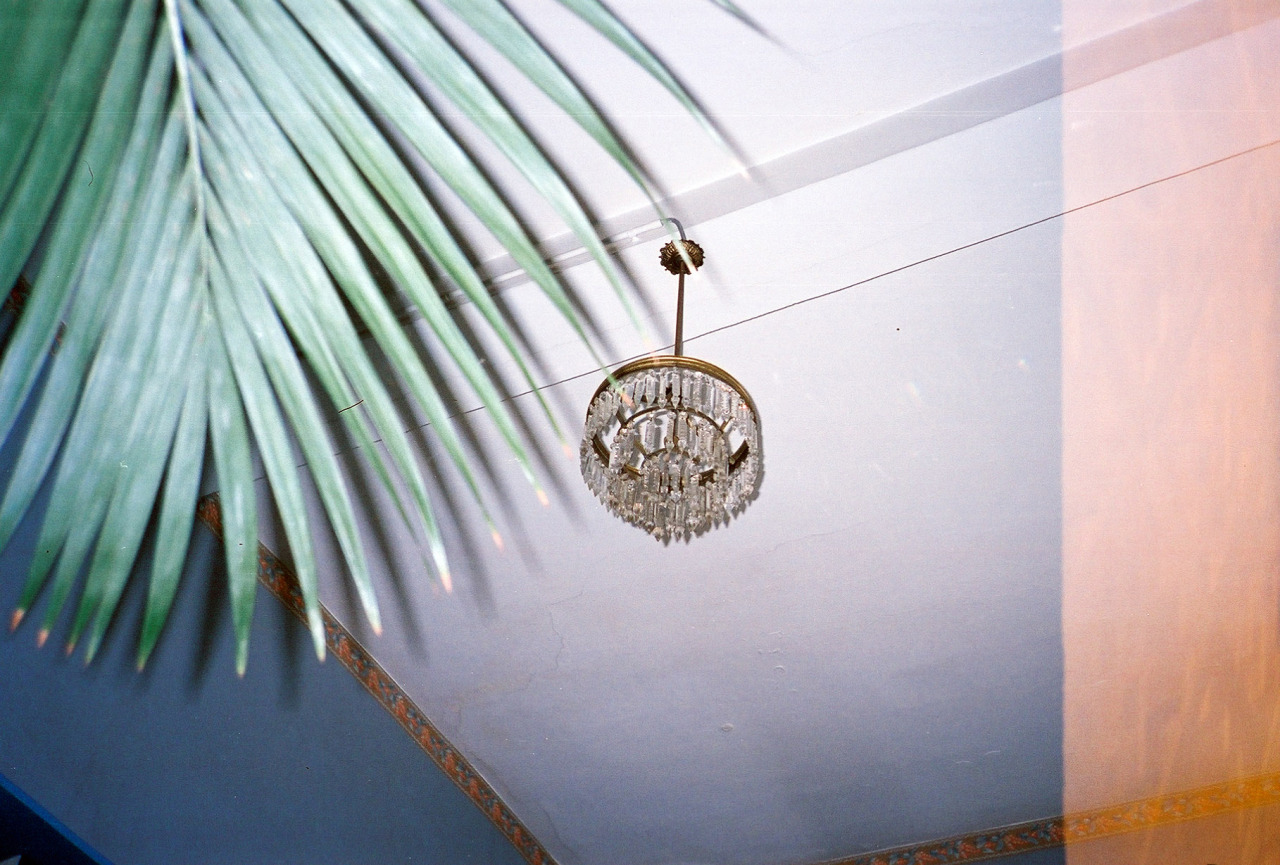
[
  {"x": 30, "y": 835},
  {"x": 186, "y": 762}
]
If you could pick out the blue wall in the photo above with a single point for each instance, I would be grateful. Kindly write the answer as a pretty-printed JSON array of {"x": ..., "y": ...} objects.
[{"x": 187, "y": 763}]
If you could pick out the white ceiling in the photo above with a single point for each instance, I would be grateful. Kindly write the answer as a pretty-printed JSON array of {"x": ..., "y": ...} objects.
[{"x": 871, "y": 654}]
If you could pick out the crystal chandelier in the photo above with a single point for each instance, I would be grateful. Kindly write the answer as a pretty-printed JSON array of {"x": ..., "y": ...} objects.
[{"x": 672, "y": 443}]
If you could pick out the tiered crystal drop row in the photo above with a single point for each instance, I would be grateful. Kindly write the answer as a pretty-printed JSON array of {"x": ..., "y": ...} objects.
[{"x": 671, "y": 445}]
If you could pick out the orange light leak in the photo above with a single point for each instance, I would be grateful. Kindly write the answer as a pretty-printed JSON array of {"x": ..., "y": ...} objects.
[{"x": 1171, "y": 436}]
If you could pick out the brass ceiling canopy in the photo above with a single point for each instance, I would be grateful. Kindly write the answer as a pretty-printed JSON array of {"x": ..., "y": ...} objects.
[{"x": 672, "y": 443}]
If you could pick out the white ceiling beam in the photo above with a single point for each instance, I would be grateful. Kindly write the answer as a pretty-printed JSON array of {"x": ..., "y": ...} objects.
[{"x": 1076, "y": 66}]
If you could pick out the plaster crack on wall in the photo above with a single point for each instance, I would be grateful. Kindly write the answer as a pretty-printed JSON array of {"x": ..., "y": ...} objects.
[{"x": 551, "y": 617}]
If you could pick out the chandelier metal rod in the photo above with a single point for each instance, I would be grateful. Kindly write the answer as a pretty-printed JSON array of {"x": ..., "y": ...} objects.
[
  {"x": 680, "y": 318},
  {"x": 679, "y": 348}
]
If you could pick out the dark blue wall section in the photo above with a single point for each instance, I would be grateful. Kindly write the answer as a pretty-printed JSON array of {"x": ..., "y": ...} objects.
[
  {"x": 187, "y": 763},
  {"x": 29, "y": 831}
]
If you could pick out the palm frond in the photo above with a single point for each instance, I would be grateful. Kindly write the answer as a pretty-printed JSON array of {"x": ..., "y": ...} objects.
[{"x": 202, "y": 193}]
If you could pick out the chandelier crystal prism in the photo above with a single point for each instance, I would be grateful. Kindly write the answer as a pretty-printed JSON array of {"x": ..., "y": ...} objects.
[{"x": 672, "y": 443}]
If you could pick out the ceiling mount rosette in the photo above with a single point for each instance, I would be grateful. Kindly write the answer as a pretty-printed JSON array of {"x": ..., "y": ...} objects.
[{"x": 672, "y": 443}]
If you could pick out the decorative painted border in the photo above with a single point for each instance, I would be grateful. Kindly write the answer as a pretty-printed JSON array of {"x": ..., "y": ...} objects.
[
  {"x": 277, "y": 577},
  {"x": 974, "y": 847},
  {"x": 1251, "y": 792}
]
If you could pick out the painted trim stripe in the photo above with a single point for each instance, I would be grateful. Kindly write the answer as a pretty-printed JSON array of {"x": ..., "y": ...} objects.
[
  {"x": 974, "y": 847},
  {"x": 282, "y": 583},
  {"x": 1143, "y": 814},
  {"x": 1252, "y": 792}
]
